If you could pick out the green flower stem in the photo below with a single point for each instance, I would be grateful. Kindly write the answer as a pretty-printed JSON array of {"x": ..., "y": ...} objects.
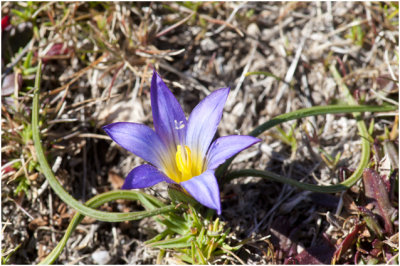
[
  {"x": 318, "y": 110},
  {"x": 95, "y": 202},
  {"x": 278, "y": 178},
  {"x": 55, "y": 185}
]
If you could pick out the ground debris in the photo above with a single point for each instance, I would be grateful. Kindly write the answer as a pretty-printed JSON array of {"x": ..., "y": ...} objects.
[{"x": 275, "y": 57}]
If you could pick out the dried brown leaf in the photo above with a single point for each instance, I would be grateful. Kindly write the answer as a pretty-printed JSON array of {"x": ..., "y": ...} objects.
[
  {"x": 115, "y": 180},
  {"x": 41, "y": 221}
]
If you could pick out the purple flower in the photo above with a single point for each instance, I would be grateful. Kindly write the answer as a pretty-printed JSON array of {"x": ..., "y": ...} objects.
[{"x": 179, "y": 150}]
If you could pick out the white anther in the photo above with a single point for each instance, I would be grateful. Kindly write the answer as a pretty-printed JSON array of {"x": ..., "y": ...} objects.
[{"x": 179, "y": 125}]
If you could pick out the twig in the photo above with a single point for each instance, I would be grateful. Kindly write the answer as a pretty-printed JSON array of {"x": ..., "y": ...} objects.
[
  {"x": 340, "y": 204},
  {"x": 170, "y": 68},
  {"x": 50, "y": 205},
  {"x": 290, "y": 73},
  {"x": 243, "y": 75},
  {"x": 234, "y": 255},
  {"x": 218, "y": 21},
  {"x": 175, "y": 25},
  {"x": 78, "y": 75},
  {"x": 113, "y": 80},
  {"x": 22, "y": 209},
  {"x": 348, "y": 26},
  {"x": 386, "y": 56},
  {"x": 93, "y": 135},
  {"x": 42, "y": 188},
  {"x": 231, "y": 16},
  {"x": 63, "y": 120},
  {"x": 377, "y": 94}
]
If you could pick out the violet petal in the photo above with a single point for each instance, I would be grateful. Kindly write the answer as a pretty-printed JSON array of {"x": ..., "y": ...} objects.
[
  {"x": 144, "y": 176},
  {"x": 138, "y": 139},
  {"x": 203, "y": 121},
  {"x": 168, "y": 117},
  {"x": 204, "y": 188},
  {"x": 225, "y": 147}
]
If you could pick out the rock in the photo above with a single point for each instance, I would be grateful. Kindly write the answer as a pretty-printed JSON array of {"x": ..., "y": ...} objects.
[
  {"x": 101, "y": 257},
  {"x": 208, "y": 45}
]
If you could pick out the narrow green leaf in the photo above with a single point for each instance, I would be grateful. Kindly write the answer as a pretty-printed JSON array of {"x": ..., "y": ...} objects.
[
  {"x": 193, "y": 212},
  {"x": 365, "y": 145},
  {"x": 371, "y": 126},
  {"x": 180, "y": 242},
  {"x": 146, "y": 203},
  {"x": 19, "y": 14},
  {"x": 192, "y": 249},
  {"x": 94, "y": 203},
  {"x": 200, "y": 254},
  {"x": 200, "y": 238},
  {"x": 56, "y": 186},
  {"x": 28, "y": 59},
  {"x": 176, "y": 225},
  {"x": 158, "y": 237},
  {"x": 281, "y": 179},
  {"x": 312, "y": 111},
  {"x": 179, "y": 196}
]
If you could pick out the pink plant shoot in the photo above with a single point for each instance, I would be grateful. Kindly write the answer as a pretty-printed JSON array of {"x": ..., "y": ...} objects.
[{"x": 180, "y": 150}]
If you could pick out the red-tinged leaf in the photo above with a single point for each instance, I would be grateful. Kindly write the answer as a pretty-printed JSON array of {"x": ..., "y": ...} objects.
[
  {"x": 393, "y": 195},
  {"x": 7, "y": 169},
  {"x": 377, "y": 248},
  {"x": 56, "y": 50},
  {"x": 376, "y": 191},
  {"x": 290, "y": 261},
  {"x": 356, "y": 257},
  {"x": 319, "y": 254},
  {"x": 377, "y": 243},
  {"x": 389, "y": 256},
  {"x": 5, "y": 22},
  {"x": 347, "y": 242},
  {"x": 371, "y": 221}
]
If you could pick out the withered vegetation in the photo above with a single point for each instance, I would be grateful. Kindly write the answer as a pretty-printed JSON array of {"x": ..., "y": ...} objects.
[{"x": 274, "y": 56}]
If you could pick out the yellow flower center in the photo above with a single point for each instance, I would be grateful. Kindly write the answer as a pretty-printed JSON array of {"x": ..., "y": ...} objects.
[{"x": 188, "y": 165}]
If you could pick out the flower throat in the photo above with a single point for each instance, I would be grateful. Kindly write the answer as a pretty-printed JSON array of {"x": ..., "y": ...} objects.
[{"x": 183, "y": 160}]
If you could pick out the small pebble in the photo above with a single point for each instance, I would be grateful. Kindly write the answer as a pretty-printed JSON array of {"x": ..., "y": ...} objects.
[
  {"x": 101, "y": 257},
  {"x": 253, "y": 30},
  {"x": 208, "y": 45}
]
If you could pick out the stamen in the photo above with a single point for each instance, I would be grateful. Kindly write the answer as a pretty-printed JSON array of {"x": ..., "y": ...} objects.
[
  {"x": 179, "y": 125},
  {"x": 183, "y": 159},
  {"x": 185, "y": 164}
]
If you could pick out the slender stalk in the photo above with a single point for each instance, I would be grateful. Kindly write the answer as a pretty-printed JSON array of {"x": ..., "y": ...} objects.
[
  {"x": 312, "y": 111},
  {"x": 318, "y": 110},
  {"x": 56, "y": 186},
  {"x": 95, "y": 202},
  {"x": 278, "y": 178}
]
